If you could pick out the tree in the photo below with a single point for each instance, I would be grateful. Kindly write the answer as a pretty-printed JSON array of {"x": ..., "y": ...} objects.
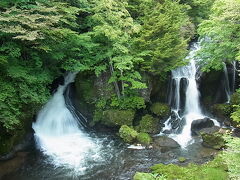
[
  {"x": 162, "y": 42},
  {"x": 220, "y": 35}
]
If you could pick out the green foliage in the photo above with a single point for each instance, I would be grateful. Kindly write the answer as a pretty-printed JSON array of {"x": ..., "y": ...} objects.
[
  {"x": 221, "y": 35},
  {"x": 235, "y": 101},
  {"x": 130, "y": 102},
  {"x": 222, "y": 110},
  {"x": 199, "y": 9},
  {"x": 161, "y": 42},
  {"x": 231, "y": 157},
  {"x": 148, "y": 176},
  {"x": 128, "y": 134}
]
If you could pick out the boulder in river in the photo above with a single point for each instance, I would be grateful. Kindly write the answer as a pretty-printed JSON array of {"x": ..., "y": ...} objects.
[
  {"x": 199, "y": 124},
  {"x": 165, "y": 143}
]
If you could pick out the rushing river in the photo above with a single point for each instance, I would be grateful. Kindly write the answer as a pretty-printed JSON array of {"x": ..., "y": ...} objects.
[{"x": 119, "y": 162}]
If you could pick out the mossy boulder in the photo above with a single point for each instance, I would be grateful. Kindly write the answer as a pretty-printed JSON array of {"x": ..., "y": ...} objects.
[
  {"x": 144, "y": 138},
  {"x": 213, "y": 140},
  {"x": 114, "y": 118},
  {"x": 128, "y": 134},
  {"x": 160, "y": 109},
  {"x": 149, "y": 124},
  {"x": 144, "y": 176}
]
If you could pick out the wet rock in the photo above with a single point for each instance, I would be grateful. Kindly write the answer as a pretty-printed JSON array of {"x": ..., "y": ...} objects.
[
  {"x": 167, "y": 131},
  {"x": 183, "y": 88},
  {"x": 165, "y": 143},
  {"x": 199, "y": 124}
]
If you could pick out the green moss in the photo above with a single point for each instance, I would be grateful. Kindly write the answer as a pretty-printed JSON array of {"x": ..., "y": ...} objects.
[
  {"x": 143, "y": 176},
  {"x": 114, "y": 118},
  {"x": 210, "y": 171},
  {"x": 144, "y": 138},
  {"x": 160, "y": 109},
  {"x": 148, "y": 124},
  {"x": 214, "y": 140},
  {"x": 128, "y": 134},
  {"x": 181, "y": 159}
]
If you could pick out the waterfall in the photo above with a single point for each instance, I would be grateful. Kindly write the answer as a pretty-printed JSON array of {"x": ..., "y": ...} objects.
[
  {"x": 184, "y": 110},
  {"x": 226, "y": 83},
  {"x": 59, "y": 136},
  {"x": 233, "y": 76}
]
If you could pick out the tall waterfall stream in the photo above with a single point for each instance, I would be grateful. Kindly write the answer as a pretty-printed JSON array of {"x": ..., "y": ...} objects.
[{"x": 185, "y": 110}]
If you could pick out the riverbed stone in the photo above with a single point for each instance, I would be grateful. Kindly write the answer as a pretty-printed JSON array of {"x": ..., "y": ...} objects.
[
  {"x": 199, "y": 124},
  {"x": 165, "y": 143}
]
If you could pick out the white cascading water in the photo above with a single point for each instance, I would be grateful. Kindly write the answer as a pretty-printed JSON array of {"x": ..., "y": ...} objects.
[
  {"x": 58, "y": 134},
  {"x": 192, "y": 109},
  {"x": 233, "y": 76},
  {"x": 226, "y": 85}
]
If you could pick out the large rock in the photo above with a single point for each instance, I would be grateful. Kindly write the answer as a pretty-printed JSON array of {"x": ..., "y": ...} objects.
[
  {"x": 165, "y": 143},
  {"x": 128, "y": 134},
  {"x": 199, "y": 124}
]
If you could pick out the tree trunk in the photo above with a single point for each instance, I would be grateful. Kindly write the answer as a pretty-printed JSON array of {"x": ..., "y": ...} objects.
[{"x": 115, "y": 83}]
